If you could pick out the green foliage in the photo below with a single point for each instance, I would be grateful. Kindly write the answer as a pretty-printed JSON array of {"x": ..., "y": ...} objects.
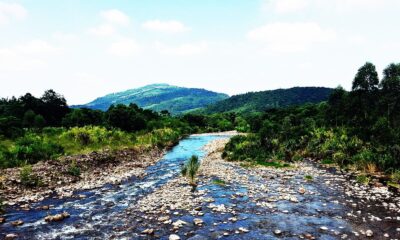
[
  {"x": 32, "y": 148},
  {"x": 219, "y": 182},
  {"x": 190, "y": 168},
  {"x": 363, "y": 179},
  {"x": 74, "y": 170},
  {"x": 28, "y": 178},
  {"x": 308, "y": 177}
]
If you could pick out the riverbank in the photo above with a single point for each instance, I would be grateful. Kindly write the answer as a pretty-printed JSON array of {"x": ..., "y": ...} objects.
[{"x": 96, "y": 169}]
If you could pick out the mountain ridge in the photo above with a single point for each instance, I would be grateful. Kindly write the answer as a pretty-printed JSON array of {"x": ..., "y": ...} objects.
[
  {"x": 262, "y": 100},
  {"x": 157, "y": 97}
]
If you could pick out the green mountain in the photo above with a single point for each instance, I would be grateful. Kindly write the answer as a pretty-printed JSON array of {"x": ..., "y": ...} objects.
[
  {"x": 260, "y": 101},
  {"x": 159, "y": 97}
]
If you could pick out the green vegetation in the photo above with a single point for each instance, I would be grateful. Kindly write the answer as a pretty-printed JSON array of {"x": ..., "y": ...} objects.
[
  {"x": 157, "y": 97},
  {"x": 190, "y": 168},
  {"x": 362, "y": 179},
  {"x": 74, "y": 170},
  {"x": 359, "y": 128},
  {"x": 28, "y": 178},
  {"x": 254, "y": 102},
  {"x": 308, "y": 178},
  {"x": 219, "y": 182},
  {"x": 30, "y": 132}
]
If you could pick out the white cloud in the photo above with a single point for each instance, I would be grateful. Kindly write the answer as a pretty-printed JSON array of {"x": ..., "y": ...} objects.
[
  {"x": 286, "y": 6},
  {"x": 36, "y": 47},
  {"x": 26, "y": 56},
  {"x": 65, "y": 37},
  {"x": 184, "y": 49},
  {"x": 124, "y": 47},
  {"x": 291, "y": 37},
  {"x": 103, "y": 30},
  {"x": 115, "y": 16},
  {"x": 291, "y": 6},
  {"x": 10, "y": 11},
  {"x": 170, "y": 26}
]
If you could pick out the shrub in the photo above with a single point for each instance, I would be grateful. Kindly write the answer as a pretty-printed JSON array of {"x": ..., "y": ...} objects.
[
  {"x": 74, "y": 170},
  {"x": 33, "y": 148},
  {"x": 308, "y": 177},
  {"x": 395, "y": 176},
  {"x": 363, "y": 179},
  {"x": 28, "y": 178},
  {"x": 190, "y": 168}
]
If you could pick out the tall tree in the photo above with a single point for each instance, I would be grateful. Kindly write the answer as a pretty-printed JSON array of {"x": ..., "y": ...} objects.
[
  {"x": 390, "y": 85},
  {"x": 366, "y": 78}
]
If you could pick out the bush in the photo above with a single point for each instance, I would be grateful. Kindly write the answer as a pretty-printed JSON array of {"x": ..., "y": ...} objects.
[
  {"x": 28, "y": 178},
  {"x": 363, "y": 179},
  {"x": 190, "y": 169},
  {"x": 33, "y": 148},
  {"x": 74, "y": 170}
]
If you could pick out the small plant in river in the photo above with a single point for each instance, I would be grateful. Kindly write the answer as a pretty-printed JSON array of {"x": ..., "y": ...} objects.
[
  {"x": 189, "y": 170},
  {"x": 308, "y": 178},
  {"x": 28, "y": 178},
  {"x": 74, "y": 170},
  {"x": 362, "y": 179},
  {"x": 219, "y": 182}
]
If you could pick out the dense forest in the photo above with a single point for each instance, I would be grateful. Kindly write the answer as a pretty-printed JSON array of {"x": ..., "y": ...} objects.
[
  {"x": 358, "y": 129},
  {"x": 254, "y": 102}
]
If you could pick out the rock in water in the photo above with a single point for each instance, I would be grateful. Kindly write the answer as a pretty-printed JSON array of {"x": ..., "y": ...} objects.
[
  {"x": 278, "y": 232},
  {"x": 197, "y": 221},
  {"x": 11, "y": 236},
  {"x": 17, "y": 223},
  {"x": 369, "y": 233},
  {"x": 2, "y": 220},
  {"x": 148, "y": 231},
  {"x": 57, "y": 217},
  {"x": 174, "y": 237}
]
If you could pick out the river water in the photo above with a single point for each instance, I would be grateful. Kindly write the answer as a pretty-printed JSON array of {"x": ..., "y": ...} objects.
[
  {"x": 93, "y": 215},
  {"x": 322, "y": 213}
]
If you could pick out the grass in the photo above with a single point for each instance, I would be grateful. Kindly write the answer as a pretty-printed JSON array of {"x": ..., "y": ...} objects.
[
  {"x": 308, "y": 177},
  {"x": 362, "y": 179},
  {"x": 219, "y": 182},
  {"x": 393, "y": 184},
  {"x": 274, "y": 164},
  {"x": 327, "y": 161}
]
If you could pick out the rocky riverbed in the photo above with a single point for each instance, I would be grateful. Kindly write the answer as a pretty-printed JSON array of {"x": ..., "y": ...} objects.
[
  {"x": 232, "y": 201},
  {"x": 97, "y": 169}
]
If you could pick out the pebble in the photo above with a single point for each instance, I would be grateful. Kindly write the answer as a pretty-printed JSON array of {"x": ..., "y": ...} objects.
[
  {"x": 244, "y": 230},
  {"x": 198, "y": 222},
  {"x": 323, "y": 228},
  {"x": 10, "y": 236},
  {"x": 148, "y": 231},
  {"x": 17, "y": 223},
  {"x": 278, "y": 232},
  {"x": 174, "y": 237},
  {"x": 2, "y": 220},
  {"x": 369, "y": 233}
]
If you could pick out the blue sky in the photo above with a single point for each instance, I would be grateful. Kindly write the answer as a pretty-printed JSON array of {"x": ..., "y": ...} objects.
[{"x": 85, "y": 49}]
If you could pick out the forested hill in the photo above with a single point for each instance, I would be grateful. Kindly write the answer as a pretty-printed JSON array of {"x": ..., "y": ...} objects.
[
  {"x": 159, "y": 97},
  {"x": 260, "y": 101}
]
